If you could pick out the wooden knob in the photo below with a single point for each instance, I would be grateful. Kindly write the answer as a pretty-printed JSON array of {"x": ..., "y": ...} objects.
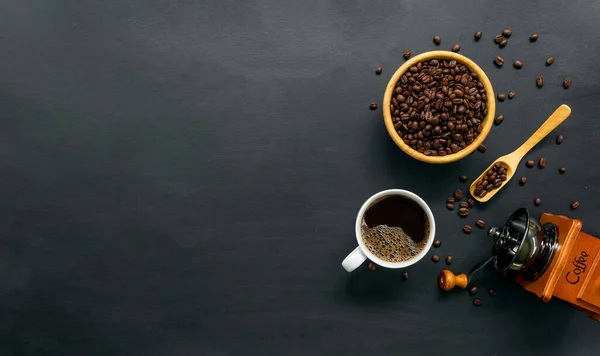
[{"x": 448, "y": 280}]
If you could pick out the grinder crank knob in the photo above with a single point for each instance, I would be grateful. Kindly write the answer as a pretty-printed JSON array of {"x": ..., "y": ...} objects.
[{"x": 448, "y": 280}]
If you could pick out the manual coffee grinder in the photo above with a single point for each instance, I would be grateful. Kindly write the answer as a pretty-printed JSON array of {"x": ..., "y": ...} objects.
[{"x": 550, "y": 257}]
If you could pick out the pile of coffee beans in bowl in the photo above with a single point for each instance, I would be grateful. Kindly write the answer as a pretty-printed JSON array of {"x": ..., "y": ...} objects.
[{"x": 438, "y": 107}]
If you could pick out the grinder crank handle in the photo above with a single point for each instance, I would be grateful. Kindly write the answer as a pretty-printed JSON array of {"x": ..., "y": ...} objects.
[{"x": 448, "y": 280}]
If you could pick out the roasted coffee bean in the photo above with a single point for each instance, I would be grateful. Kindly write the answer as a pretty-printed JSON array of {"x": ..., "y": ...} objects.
[
  {"x": 501, "y": 97},
  {"x": 562, "y": 170},
  {"x": 405, "y": 276},
  {"x": 506, "y": 33},
  {"x": 492, "y": 292},
  {"x": 372, "y": 266},
  {"x": 437, "y": 243},
  {"x": 503, "y": 43},
  {"x": 463, "y": 178},
  {"x": 450, "y": 206},
  {"x": 373, "y": 106},
  {"x": 435, "y": 258},
  {"x": 378, "y": 70},
  {"x": 449, "y": 260},
  {"x": 498, "y": 38},
  {"x": 450, "y": 200},
  {"x": 407, "y": 54},
  {"x": 538, "y": 201},
  {"x": 559, "y": 139},
  {"x": 473, "y": 290},
  {"x": 456, "y": 48},
  {"x": 478, "y": 35},
  {"x": 463, "y": 212},
  {"x": 467, "y": 229},
  {"x": 480, "y": 224},
  {"x": 499, "y": 61},
  {"x": 534, "y": 37},
  {"x": 575, "y": 205},
  {"x": 437, "y": 40},
  {"x": 481, "y": 148},
  {"x": 530, "y": 163},
  {"x": 511, "y": 94},
  {"x": 542, "y": 162},
  {"x": 471, "y": 202},
  {"x": 477, "y": 302},
  {"x": 567, "y": 83},
  {"x": 458, "y": 194},
  {"x": 540, "y": 82},
  {"x": 523, "y": 180},
  {"x": 549, "y": 61},
  {"x": 498, "y": 120},
  {"x": 518, "y": 64},
  {"x": 464, "y": 204}
]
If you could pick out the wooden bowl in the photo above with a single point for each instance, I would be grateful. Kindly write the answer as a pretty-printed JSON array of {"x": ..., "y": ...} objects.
[{"x": 486, "y": 123}]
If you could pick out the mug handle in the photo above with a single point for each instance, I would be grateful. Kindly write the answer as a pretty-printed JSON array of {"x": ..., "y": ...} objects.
[{"x": 354, "y": 260}]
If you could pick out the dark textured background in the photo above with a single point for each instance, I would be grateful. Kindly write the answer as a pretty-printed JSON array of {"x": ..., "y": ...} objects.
[{"x": 182, "y": 177}]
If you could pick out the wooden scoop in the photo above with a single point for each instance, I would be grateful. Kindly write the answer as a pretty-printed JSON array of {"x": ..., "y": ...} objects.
[{"x": 511, "y": 161}]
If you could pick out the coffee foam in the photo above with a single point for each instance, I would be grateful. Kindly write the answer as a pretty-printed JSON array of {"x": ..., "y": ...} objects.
[{"x": 391, "y": 243}]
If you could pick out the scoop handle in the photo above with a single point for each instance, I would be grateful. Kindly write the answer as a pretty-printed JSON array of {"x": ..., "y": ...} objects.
[{"x": 557, "y": 117}]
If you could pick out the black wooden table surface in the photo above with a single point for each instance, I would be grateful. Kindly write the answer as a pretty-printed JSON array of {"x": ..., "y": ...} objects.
[{"x": 182, "y": 177}]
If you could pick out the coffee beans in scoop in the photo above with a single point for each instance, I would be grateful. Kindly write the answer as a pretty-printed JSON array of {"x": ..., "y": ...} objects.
[
  {"x": 438, "y": 107},
  {"x": 492, "y": 179}
]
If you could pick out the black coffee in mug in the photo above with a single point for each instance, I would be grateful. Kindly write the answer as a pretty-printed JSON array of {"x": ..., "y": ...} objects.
[{"x": 395, "y": 228}]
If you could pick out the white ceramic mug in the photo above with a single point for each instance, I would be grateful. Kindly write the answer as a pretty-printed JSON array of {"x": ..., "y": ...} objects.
[{"x": 361, "y": 253}]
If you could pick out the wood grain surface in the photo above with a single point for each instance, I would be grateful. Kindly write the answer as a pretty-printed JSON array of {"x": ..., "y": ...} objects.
[{"x": 182, "y": 177}]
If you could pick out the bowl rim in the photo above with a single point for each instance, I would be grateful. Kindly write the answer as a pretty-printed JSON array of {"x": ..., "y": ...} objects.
[{"x": 487, "y": 121}]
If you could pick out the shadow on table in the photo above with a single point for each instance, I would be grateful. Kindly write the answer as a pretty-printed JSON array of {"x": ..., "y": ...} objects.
[{"x": 363, "y": 286}]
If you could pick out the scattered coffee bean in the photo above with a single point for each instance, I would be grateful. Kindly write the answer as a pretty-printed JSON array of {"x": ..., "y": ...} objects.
[
  {"x": 575, "y": 205},
  {"x": 456, "y": 48},
  {"x": 540, "y": 82},
  {"x": 534, "y": 37},
  {"x": 530, "y": 163},
  {"x": 538, "y": 201},
  {"x": 559, "y": 139},
  {"x": 503, "y": 43},
  {"x": 518, "y": 64},
  {"x": 492, "y": 292},
  {"x": 562, "y": 170},
  {"x": 542, "y": 162},
  {"x": 463, "y": 178},
  {"x": 480, "y": 224},
  {"x": 373, "y": 106},
  {"x": 467, "y": 229},
  {"x": 438, "y": 107},
  {"x": 471, "y": 202},
  {"x": 450, "y": 206},
  {"x": 473, "y": 290},
  {"x": 481, "y": 148},
  {"x": 498, "y": 120},
  {"x": 491, "y": 180},
  {"x": 549, "y": 61},
  {"x": 435, "y": 258},
  {"x": 498, "y": 38},
  {"x": 405, "y": 276},
  {"x": 499, "y": 61},
  {"x": 437, "y": 40},
  {"x": 464, "y": 204},
  {"x": 372, "y": 266},
  {"x": 437, "y": 243},
  {"x": 449, "y": 260},
  {"x": 378, "y": 70},
  {"x": 463, "y": 212},
  {"x": 458, "y": 194},
  {"x": 478, "y": 35},
  {"x": 450, "y": 200},
  {"x": 523, "y": 180},
  {"x": 506, "y": 33},
  {"x": 501, "y": 97},
  {"x": 511, "y": 94},
  {"x": 567, "y": 83},
  {"x": 477, "y": 302},
  {"x": 407, "y": 54}
]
